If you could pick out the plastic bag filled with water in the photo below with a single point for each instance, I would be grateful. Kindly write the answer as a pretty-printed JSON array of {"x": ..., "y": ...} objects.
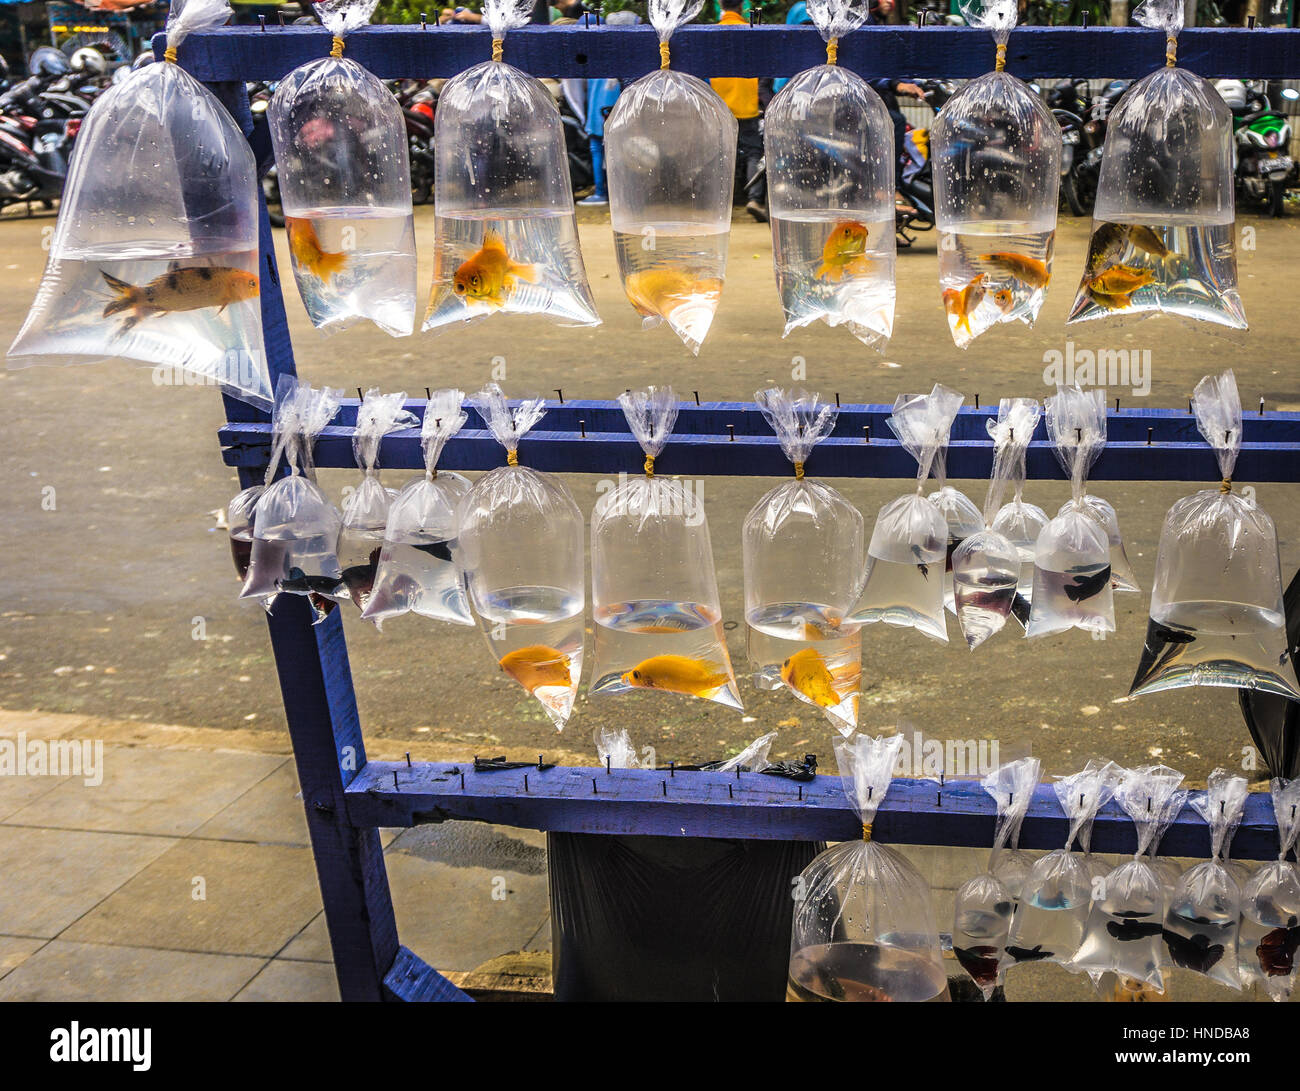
[
  {"x": 506, "y": 236},
  {"x": 417, "y": 565},
  {"x": 1203, "y": 913},
  {"x": 522, "y": 560},
  {"x": 1270, "y": 906},
  {"x": 365, "y": 511},
  {"x": 829, "y": 145},
  {"x": 345, "y": 182},
  {"x": 654, "y": 593},
  {"x": 296, "y": 526},
  {"x": 997, "y": 174},
  {"x": 615, "y": 750},
  {"x": 908, "y": 551},
  {"x": 1072, "y": 557},
  {"x": 1056, "y": 897},
  {"x": 1122, "y": 576},
  {"x": 802, "y": 546},
  {"x": 1217, "y": 616},
  {"x": 987, "y": 566},
  {"x": 864, "y": 927},
  {"x": 959, "y": 512},
  {"x": 1021, "y": 522},
  {"x": 984, "y": 906},
  {"x": 1162, "y": 229},
  {"x": 670, "y": 143},
  {"x": 1128, "y": 908},
  {"x": 154, "y": 257}
]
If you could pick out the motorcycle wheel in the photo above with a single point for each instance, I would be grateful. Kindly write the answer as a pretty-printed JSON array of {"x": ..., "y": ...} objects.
[
  {"x": 1277, "y": 199},
  {"x": 1071, "y": 192},
  {"x": 271, "y": 192}
]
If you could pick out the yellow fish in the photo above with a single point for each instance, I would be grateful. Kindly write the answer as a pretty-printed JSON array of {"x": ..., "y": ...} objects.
[
  {"x": 1121, "y": 280},
  {"x": 1027, "y": 270},
  {"x": 961, "y": 303},
  {"x": 1144, "y": 238},
  {"x": 189, "y": 289},
  {"x": 1116, "y": 302},
  {"x": 490, "y": 275},
  {"x": 308, "y": 254},
  {"x": 678, "y": 674},
  {"x": 844, "y": 252},
  {"x": 806, "y": 673},
  {"x": 657, "y": 292},
  {"x": 537, "y": 665}
]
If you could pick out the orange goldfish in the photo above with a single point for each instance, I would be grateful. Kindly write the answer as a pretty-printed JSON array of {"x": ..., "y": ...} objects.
[
  {"x": 805, "y": 672},
  {"x": 308, "y": 254},
  {"x": 659, "y": 291},
  {"x": 1029, "y": 271},
  {"x": 678, "y": 674},
  {"x": 188, "y": 289},
  {"x": 1115, "y": 302},
  {"x": 537, "y": 665},
  {"x": 1005, "y": 299},
  {"x": 1121, "y": 280},
  {"x": 961, "y": 303},
  {"x": 490, "y": 275},
  {"x": 844, "y": 252}
]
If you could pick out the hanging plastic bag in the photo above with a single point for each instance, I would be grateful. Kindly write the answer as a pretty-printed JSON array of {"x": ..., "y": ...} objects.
[
  {"x": 1122, "y": 576},
  {"x": 1125, "y": 922},
  {"x": 959, "y": 513},
  {"x": 803, "y": 545},
  {"x": 1217, "y": 616},
  {"x": 987, "y": 566},
  {"x": 504, "y": 223},
  {"x": 864, "y": 927},
  {"x": 296, "y": 526},
  {"x": 1054, "y": 903},
  {"x": 904, "y": 583},
  {"x": 1072, "y": 557},
  {"x": 522, "y": 559},
  {"x": 654, "y": 593},
  {"x": 1203, "y": 915},
  {"x": 997, "y": 175},
  {"x": 1017, "y": 520},
  {"x": 829, "y": 146},
  {"x": 1163, "y": 225},
  {"x": 345, "y": 182},
  {"x": 1270, "y": 906},
  {"x": 984, "y": 906},
  {"x": 671, "y": 147},
  {"x": 154, "y": 256},
  {"x": 417, "y": 564},
  {"x": 614, "y": 748}
]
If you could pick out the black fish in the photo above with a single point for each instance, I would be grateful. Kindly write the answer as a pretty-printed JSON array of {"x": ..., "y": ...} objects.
[
  {"x": 441, "y": 550},
  {"x": 1029, "y": 954},
  {"x": 299, "y": 583},
  {"x": 980, "y": 962},
  {"x": 1276, "y": 951},
  {"x": 1131, "y": 929},
  {"x": 1020, "y": 609},
  {"x": 1163, "y": 644},
  {"x": 925, "y": 571},
  {"x": 1194, "y": 953},
  {"x": 925, "y": 568},
  {"x": 1084, "y": 587}
]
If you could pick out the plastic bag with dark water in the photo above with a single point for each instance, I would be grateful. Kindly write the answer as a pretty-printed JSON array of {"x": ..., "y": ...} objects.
[
  {"x": 1102, "y": 512},
  {"x": 1270, "y": 906}
]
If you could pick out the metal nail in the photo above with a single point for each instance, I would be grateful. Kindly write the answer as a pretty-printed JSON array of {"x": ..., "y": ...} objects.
[
  {"x": 262, "y": 19},
  {"x": 594, "y": 790},
  {"x": 408, "y": 759},
  {"x": 582, "y": 425},
  {"x": 697, "y": 396},
  {"x": 665, "y": 786},
  {"x": 672, "y": 768},
  {"x": 730, "y": 793},
  {"x": 977, "y": 401},
  {"x": 866, "y": 433},
  {"x": 731, "y": 431},
  {"x": 525, "y": 782},
  {"x": 837, "y": 399},
  {"x": 560, "y": 394},
  {"x": 394, "y": 778},
  {"x": 1149, "y": 431},
  {"x": 609, "y": 764}
]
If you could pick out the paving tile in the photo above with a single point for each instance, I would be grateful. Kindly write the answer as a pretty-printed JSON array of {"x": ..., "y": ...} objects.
[
  {"x": 13, "y": 949},
  {"x": 257, "y": 897},
  {"x": 52, "y": 877},
  {"x": 43, "y": 725},
  {"x": 146, "y": 790},
  {"x": 312, "y": 944},
  {"x": 95, "y": 972},
  {"x": 270, "y": 812},
  {"x": 293, "y": 982},
  {"x": 17, "y": 792}
]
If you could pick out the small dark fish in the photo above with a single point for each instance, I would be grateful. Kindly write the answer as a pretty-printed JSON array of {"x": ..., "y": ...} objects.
[
  {"x": 1194, "y": 952},
  {"x": 1029, "y": 954},
  {"x": 1084, "y": 587},
  {"x": 1162, "y": 646},
  {"x": 980, "y": 962},
  {"x": 1130, "y": 929},
  {"x": 441, "y": 550},
  {"x": 1276, "y": 951},
  {"x": 300, "y": 583},
  {"x": 925, "y": 571}
]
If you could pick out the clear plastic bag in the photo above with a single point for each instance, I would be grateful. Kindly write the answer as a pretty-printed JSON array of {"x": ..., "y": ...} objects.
[
  {"x": 1020, "y": 522},
  {"x": 296, "y": 526},
  {"x": 904, "y": 583},
  {"x": 1217, "y": 616},
  {"x": 984, "y": 906},
  {"x": 1162, "y": 229},
  {"x": 1270, "y": 906},
  {"x": 345, "y": 182},
  {"x": 1125, "y": 922},
  {"x": 507, "y": 235},
  {"x": 154, "y": 256},
  {"x": 1204, "y": 910},
  {"x": 522, "y": 559},
  {"x": 1072, "y": 557},
  {"x": 829, "y": 145},
  {"x": 803, "y": 545},
  {"x": 997, "y": 175},
  {"x": 614, "y": 748},
  {"x": 864, "y": 927},
  {"x": 1055, "y": 900},
  {"x": 1122, "y": 576},
  {"x": 417, "y": 564},
  {"x": 671, "y": 148},
  {"x": 365, "y": 512},
  {"x": 654, "y": 594},
  {"x": 987, "y": 566}
]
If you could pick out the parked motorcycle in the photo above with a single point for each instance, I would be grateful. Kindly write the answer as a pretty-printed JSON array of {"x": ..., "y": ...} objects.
[
  {"x": 1082, "y": 117},
  {"x": 1263, "y": 167}
]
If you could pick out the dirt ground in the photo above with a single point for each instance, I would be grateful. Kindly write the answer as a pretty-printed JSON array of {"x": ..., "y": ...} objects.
[{"x": 120, "y": 601}]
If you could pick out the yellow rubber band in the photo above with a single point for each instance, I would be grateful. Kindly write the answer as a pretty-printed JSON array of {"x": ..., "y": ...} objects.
[
  {"x": 512, "y": 457},
  {"x": 1171, "y": 51},
  {"x": 832, "y": 50},
  {"x": 1001, "y": 62},
  {"x": 649, "y": 465},
  {"x": 336, "y": 50},
  {"x": 798, "y": 471},
  {"x": 663, "y": 55},
  {"x": 866, "y": 831},
  {"x": 1225, "y": 485},
  {"x": 169, "y": 54},
  {"x": 498, "y": 46}
]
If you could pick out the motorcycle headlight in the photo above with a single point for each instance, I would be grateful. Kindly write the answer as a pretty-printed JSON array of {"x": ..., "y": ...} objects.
[{"x": 1272, "y": 140}]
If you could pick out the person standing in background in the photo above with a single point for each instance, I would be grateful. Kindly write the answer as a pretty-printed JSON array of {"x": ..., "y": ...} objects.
[{"x": 741, "y": 97}]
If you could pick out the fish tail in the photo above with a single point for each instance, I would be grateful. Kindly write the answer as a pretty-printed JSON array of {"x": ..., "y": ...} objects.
[
  {"x": 824, "y": 272},
  {"x": 328, "y": 264},
  {"x": 125, "y": 299},
  {"x": 524, "y": 272},
  {"x": 859, "y": 265}
]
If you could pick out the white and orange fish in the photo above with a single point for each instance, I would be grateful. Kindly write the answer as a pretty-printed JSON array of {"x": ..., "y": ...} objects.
[
  {"x": 308, "y": 254},
  {"x": 960, "y": 303},
  {"x": 185, "y": 289}
]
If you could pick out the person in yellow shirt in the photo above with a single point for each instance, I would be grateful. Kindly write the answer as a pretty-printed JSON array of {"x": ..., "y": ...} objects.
[{"x": 741, "y": 97}]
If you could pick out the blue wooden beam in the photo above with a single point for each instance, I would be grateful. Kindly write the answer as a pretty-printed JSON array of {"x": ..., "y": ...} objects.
[
  {"x": 393, "y": 52},
  {"x": 569, "y": 799}
]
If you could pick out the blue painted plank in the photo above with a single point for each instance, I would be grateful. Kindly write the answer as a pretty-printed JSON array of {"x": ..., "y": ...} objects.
[
  {"x": 249, "y": 53},
  {"x": 413, "y": 980},
  {"x": 695, "y": 804}
]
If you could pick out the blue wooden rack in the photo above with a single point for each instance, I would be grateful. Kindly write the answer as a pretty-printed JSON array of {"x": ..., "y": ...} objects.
[{"x": 347, "y": 797}]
